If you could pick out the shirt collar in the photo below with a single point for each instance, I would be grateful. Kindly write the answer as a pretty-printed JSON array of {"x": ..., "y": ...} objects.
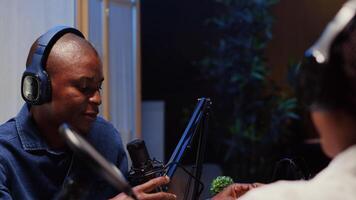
[{"x": 28, "y": 132}]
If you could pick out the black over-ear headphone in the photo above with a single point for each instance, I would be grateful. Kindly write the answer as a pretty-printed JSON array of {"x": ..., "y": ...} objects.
[
  {"x": 322, "y": 80},
  {"x": 35, "y": 83}
]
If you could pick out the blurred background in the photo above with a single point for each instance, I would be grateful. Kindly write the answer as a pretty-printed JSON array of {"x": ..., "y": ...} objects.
[
  {"x": 243, "y": 55},
  {"x": 161, "y": 56}
]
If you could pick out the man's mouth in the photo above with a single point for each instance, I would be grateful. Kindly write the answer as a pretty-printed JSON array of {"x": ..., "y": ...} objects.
[{"x": 91, "y": 115}]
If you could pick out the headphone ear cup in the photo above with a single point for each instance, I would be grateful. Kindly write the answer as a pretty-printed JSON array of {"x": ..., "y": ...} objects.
[
  {"x": 36, "y": 87},
  {"x": 30, "y": 88}
]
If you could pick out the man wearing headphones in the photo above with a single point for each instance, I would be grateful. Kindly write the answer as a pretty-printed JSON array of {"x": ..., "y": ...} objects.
[
  {"x": 61, "y": 83},
  {"x": 328, "y": 87}
]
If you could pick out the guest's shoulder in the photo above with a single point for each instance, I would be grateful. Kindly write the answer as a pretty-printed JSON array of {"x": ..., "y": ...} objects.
[{"x": 279, "y": 190}]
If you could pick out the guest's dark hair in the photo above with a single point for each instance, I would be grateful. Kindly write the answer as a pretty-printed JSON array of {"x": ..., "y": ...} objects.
[{"x": 332, "y": 85}]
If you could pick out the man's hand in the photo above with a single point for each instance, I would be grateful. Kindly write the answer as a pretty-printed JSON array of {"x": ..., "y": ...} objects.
[
  {"x": 142, "y": 191},
  {"x": 235, "y": 191}
]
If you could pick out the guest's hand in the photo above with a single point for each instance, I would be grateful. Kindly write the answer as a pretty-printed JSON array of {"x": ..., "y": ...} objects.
[
  {"x": 142, "y": 191},
  {"x": 235, "y": 191}
]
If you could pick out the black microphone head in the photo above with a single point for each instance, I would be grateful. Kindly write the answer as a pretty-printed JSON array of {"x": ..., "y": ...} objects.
[
  {"x": 139, "y": 154},
  {"x": 143, "y": 167}
]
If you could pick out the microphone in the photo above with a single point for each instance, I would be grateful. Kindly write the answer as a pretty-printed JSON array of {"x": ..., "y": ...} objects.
[
  {"x": 143, "y": 168},
  {"x": 98, "y": 163}
]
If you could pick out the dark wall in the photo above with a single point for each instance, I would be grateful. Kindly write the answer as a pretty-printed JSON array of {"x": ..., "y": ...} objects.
[
  {"x": 298, "y": 23},
  {"x": 173, "y": 36}
]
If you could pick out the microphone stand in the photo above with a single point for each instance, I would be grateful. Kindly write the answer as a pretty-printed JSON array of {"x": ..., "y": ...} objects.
[
  {"x": 198, "y": 123},
  {"x": 201, "y": 148}
]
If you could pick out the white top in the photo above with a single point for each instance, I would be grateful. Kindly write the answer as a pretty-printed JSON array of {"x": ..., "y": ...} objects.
[{"x": 337, "y": 181}]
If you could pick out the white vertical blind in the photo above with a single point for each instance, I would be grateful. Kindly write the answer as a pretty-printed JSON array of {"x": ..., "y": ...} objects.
[
  {"x": 122, "y": 68},
  {"x": 122, "y": 60},
  {"x": 21, "y": 22}
]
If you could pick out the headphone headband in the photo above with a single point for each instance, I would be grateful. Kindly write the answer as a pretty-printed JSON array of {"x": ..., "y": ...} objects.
[
  {"x": 47, "y": 40},
  {"x": 321, "y": 49}
]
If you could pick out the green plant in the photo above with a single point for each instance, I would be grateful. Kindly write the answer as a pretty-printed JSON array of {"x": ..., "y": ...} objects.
[
  {"x": 219, "y": 183},
  {"x": 253, "y": 114}
]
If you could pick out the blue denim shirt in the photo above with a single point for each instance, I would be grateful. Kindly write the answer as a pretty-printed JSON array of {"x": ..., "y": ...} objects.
[{"x": 29, "y": 169}]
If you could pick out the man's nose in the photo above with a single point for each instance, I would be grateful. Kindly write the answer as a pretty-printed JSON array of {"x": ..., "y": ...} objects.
[{"x": 96, "y": 97}]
